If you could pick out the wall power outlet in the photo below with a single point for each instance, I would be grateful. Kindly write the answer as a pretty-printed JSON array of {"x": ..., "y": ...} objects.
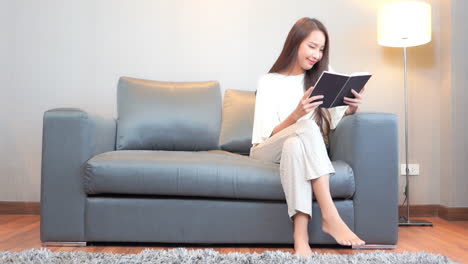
[{"x": 413, "y": 169}]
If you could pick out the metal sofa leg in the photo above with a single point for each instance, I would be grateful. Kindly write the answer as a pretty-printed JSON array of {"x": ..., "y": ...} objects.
[
  {"x": 374, "y": 246},
  {"x": 64, "y": 244}
]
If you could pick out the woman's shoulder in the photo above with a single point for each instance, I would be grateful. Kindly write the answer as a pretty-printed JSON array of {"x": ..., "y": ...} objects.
[
  {"x": 267, "y": 83},
  {"x": 271, "y": 78},
  {"x": 267, "y": 78}
]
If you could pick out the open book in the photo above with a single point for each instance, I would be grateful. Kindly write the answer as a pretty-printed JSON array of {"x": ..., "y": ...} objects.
[{"x": 336, "y": 86}]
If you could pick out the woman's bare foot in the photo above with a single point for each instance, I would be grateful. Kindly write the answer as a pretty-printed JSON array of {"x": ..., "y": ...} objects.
[
  {"x": 302, "y": 249},
  {"x": 301, "y": 235},
  {"x": 337, "y": 228}
]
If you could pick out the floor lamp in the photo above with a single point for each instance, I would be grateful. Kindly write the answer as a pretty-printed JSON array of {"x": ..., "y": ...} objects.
[{"x": 405, "y": 24}]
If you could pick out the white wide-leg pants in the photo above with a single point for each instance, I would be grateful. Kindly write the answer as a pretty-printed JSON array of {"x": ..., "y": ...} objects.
[{"x": 302, "y": 154}]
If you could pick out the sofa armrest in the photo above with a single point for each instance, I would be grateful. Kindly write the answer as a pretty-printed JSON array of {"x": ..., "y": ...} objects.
[
  {"x": 70, "y": 138},
  {"x": 368, "y": 142}
]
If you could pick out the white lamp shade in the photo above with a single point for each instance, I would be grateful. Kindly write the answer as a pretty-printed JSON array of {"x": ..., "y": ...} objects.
[{"x": 404, "y": 24}]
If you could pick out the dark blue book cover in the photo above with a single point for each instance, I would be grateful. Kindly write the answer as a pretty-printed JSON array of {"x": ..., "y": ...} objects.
[{"x": 336, "y": 86}]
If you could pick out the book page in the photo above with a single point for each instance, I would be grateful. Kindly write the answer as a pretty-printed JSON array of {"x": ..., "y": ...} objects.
[
  {"x": 336, "y": 73},
  {"x": 359, "y": 73},
  {"x": 349, "y": 75}
]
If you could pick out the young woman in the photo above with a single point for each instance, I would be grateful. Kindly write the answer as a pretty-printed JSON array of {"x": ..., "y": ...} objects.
[{"x": 291, "y": 130}]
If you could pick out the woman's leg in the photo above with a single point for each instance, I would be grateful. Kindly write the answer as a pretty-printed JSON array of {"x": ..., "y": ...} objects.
[
  {"x": 332, "y": 223},
  {"x": 286, "y": 148},
  {"x": 298, "y": 192},
  {"x": 301, "y": 234},
  {"x": 304, "y": 157},
  {"x": 271, "y": 149},
  {"x": 302, "y": 154}
]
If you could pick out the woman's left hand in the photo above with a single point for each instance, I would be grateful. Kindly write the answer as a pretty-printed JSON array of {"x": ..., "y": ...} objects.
[{"x": 353, "y": 103}]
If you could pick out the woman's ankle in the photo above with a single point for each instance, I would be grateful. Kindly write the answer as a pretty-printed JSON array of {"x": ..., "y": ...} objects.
[
  {"x": 330, "y": 215},
  {"x": 300, "y": 244},
  {"x": 300, "y": 238}
]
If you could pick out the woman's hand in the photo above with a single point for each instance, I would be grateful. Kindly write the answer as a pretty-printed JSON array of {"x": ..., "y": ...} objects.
[
  {"x": 353, "y": 103},
  {"x": 305, "y": 106}
]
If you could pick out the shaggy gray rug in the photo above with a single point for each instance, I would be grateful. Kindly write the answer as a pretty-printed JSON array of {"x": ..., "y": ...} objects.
[{"x": 182, "y": 255}]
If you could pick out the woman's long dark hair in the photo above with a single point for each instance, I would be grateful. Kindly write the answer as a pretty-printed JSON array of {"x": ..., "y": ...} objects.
[{"x": 288, "y": 56}]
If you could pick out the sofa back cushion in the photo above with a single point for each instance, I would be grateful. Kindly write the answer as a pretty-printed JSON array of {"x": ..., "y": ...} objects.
[
  {"x": 156, "y": 115},
  {"x": 237, "y": 124}
]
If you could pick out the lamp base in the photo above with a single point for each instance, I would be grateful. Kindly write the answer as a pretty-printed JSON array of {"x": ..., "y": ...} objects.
[{"x": 408, "y": 222}]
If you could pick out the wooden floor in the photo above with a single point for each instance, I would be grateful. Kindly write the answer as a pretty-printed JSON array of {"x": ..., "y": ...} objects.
[{"x": 20, "y": 232}]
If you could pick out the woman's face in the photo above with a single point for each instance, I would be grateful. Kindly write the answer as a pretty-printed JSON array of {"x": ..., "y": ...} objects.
[{"x": 311, "y": 50}]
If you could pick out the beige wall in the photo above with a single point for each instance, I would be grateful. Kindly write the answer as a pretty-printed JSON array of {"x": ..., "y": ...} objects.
[
  {"x": 454, "y": 112},
  {"x": 446, "y": 106},
  {"x": 71, "y": 53}
]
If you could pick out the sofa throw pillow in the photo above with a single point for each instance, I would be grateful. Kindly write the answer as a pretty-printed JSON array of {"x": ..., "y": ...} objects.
[
  {"x": 237, "y": 121},
  {"x": 157, "y": 115}
]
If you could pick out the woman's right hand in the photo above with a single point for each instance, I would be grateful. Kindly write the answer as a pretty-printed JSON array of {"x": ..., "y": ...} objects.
[{"x": 305, "y": 106}]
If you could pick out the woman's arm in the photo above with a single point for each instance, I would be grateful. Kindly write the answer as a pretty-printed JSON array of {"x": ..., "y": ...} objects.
[
  {"x": 349, "y": 112},
  {"x": 305, "y": 106},
  {"x": 353, "y": 103},
  {"x": 291, "y": 119},
  {"x": 265, "y": 117}
]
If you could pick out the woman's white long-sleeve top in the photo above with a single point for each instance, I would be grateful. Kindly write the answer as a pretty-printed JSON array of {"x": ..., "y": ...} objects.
[{"x": 277, "y": 97}]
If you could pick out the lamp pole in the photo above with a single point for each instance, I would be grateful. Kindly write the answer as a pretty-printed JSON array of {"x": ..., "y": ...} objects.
[
  {"x": 405, "y": 24},
  {"x": 405, "y": 221}
]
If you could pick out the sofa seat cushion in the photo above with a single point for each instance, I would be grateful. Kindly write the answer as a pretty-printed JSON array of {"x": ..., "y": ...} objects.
[{"x": 213, "y": 173}]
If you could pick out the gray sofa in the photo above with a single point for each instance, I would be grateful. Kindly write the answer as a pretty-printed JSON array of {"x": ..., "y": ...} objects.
[{"x": 174, "y": 168}]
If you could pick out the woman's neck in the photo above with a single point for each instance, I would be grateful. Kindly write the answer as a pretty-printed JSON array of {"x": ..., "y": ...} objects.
[{"x": 296, "y": 71}]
